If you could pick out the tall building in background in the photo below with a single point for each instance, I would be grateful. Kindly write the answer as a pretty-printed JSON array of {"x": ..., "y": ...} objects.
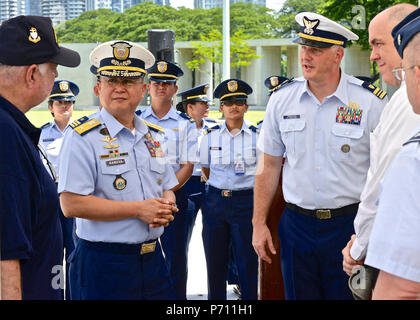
[
  {"x": 11, "y": 8},
  {"x": 62, "y": 10},
  {"x": 210, "y": 4},
  {"x": 119, "y": 5}
]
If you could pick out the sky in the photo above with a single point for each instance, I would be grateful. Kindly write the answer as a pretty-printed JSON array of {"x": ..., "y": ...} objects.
[{"x": 272, "y": 4}]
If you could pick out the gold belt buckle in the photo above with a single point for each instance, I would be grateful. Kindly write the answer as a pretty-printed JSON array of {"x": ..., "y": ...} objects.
[
  {"x": 227, "y": 193},
  {"x": 148, "y": 247},
  {"x": 323, "y": 214}
]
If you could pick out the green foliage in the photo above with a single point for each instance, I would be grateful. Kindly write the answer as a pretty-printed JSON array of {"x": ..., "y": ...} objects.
[
  {"x": 256, "y": 22},
  {"x": 286, "y": 16},
  {"x": 211, "y": 48},
  {"x": 341, "y": 11}
]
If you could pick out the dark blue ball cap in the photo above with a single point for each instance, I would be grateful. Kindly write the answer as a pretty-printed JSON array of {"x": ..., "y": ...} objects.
[
  {"x": 274, "y": 82},
  {"x": 26, "y": 40},
  {"x": 164, "y": 71},
  {"x": 64, "y": 90},
  {"x": 195, "y": 94},
  {"x": 406, "y": 30},
  {"x": 232, "y": 89}
]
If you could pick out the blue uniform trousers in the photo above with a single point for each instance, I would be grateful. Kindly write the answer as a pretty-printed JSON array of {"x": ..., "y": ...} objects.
[
  {"x": 228, "y": 220},
  {"x": 117, "y": 271},
  {"x": 69, "y": 241},
  {"x": 311, "y": 259},
  {"x": 195, "y": 193},
  {"x": 174, "y": 244}
]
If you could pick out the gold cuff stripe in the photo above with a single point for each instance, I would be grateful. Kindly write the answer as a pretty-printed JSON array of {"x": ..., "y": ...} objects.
[
  {"x": 302, "y": 35},
  {"x": 234, "y": 94}
]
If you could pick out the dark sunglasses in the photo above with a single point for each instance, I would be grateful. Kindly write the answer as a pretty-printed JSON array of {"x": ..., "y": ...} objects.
[{"x": 230, "y": 103}]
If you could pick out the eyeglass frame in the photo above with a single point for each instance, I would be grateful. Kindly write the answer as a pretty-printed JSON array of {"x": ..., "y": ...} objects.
[
  {"x": 403, "y": 70},
  {"x": 233, "y": 102},
  {"x": 113, "y": 82}
]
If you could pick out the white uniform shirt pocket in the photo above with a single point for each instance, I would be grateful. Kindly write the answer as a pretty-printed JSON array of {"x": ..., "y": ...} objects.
[
  {"x": 293, "y": 136},
  {"x": 344, "y": 140}
]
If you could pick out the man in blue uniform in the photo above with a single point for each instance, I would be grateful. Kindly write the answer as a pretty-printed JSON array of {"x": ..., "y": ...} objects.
[
  {"x": 228, "y": 157},
  {"x": 60, "y": 102},
  {"x": 320, "y": 124},
  {"x": 394, "y": 240},
  {"x": 115, "y": 180},
  {"x": 30, "y": 235},
  {"x": 180, "y": 145}
]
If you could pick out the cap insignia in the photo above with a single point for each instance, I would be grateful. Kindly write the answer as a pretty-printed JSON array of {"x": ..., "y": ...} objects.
[
  {"x": 33, "y": 35},
  {"x": 274, "y": 81},
  {"x": 205, "y": 89},
  {"x": 64, "y": 86},
  {"x": 162, "y": 66},
  {"x": 399, "y": 39},
  {"x": 310, "y": 25},
  {"x": 232, "y": 85},
  {"x": 121, "y": 50}
]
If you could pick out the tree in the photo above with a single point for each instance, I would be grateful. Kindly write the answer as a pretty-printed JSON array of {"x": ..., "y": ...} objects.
[
  {"x": 356, "y": 14},
  {"x": 211, "y": 48},
  {"x": 286, "y": 16}
]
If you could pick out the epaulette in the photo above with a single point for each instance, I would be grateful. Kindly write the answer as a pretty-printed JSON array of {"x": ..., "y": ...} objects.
[
  {"x": 281, "y": 85},
  {"x": 46, "y": 125},
  {"x": 207, "y": 131},
  {"x": 186, "y": 116},
  {"x": 138, "y": 112},
  {"x": 375, "y": 90},
  {"x": 415, "y": 138},
  {"x": 84, "y": 125},
  {"x": 153, "y": 126},
  {"x": 210, "y": 120},
  {"x": 259, "y": 122}
]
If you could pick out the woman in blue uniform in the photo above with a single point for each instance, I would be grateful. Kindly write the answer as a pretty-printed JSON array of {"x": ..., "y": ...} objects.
[{"x": 228, "y": 157}]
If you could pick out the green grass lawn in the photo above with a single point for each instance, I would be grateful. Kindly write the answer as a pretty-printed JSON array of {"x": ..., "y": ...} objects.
[{"x": 40, "y": 117}]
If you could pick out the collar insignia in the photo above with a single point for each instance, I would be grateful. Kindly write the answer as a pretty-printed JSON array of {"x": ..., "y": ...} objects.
[
  {"x": 310, "y": 25},
  {"x": 33, "y": 35}
]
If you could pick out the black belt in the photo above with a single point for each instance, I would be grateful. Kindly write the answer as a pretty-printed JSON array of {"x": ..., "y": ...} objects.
[
  {"x": 198, "y": 178},
  {"x": 124, "y": 248},
  {"x": 324, "y": 213},
  {"x": 231, "y": 193}
]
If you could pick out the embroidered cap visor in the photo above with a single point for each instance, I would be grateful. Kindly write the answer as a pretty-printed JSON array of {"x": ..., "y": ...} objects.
[{"x": 26, "y": 40}]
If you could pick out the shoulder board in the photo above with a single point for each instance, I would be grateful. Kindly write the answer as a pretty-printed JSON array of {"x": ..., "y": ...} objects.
[
  {"x": 153, "y": 126},
  {"x": 207, "y": 131},
  {"x": 138, "y": 112},
  {"x": 79, "y": 121},
  {"x": 415, "y": 138},
  {"x": 210, "y": 120},
  {"x": 375, "y": 90},
  {"x": 186, "y": 116},
  {"x": 281, "y": 85},
  {"x": 259, "y": 122},
  {"x": 46, "y": 125},
  {"x": 85, "y": 126}
]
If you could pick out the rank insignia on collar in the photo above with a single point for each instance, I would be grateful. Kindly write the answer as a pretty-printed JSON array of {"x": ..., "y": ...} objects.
[
  {"x": 162, "y": 66},
  {"x": 120, "y": 183},
  {"x": 310, "y": 25},
  {"x": 121, "y": 50},
  {"x": 33, "y": 35},
  {"x": 232, "y": 85}
]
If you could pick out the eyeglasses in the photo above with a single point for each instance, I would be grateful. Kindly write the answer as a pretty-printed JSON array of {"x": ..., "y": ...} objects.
[
  {"x": 397, "y": 71},
  {"x": 113, "y": 82},
  {"x": 230, "y": 103}
]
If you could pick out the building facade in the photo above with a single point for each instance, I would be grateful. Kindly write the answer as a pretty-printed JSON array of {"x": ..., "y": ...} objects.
[
  {"x": 210, "y": 4},
  {"x": 12, "y": 8}
]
